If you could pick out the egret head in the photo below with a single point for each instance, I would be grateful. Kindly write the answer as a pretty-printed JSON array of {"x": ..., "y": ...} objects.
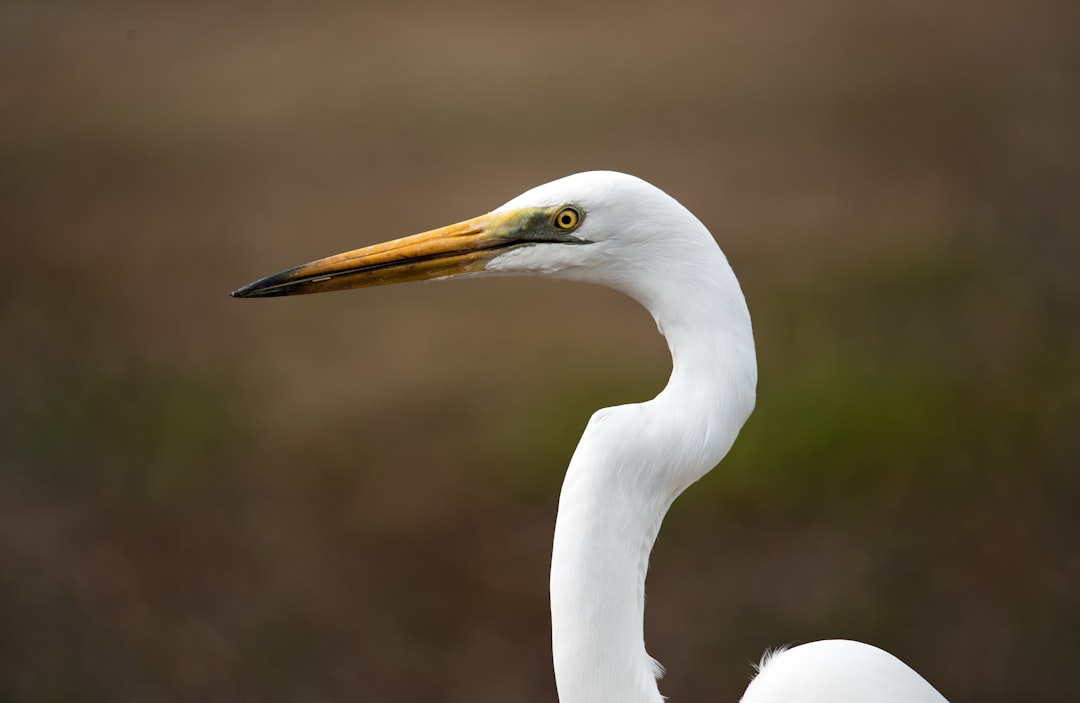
[{"x": 600, "y": 226}]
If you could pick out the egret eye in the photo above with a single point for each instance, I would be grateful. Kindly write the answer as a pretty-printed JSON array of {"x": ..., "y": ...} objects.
[{"x": 568, "y": 218}]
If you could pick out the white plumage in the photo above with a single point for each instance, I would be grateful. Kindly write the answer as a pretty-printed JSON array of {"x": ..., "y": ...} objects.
[
  {"x": 837, "y": 671},
  {"x": 633, "y": 460}
]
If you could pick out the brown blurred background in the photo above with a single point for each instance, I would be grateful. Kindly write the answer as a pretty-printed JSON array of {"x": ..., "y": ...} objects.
[{"x": 351, "y": 496}]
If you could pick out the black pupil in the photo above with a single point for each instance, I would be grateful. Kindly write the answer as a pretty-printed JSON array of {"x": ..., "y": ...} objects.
[{"x": 566, "y": 219}]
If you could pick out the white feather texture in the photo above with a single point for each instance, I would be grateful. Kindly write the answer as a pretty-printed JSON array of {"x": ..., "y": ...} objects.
[
  {"x": 837, "y": 671},
  {"x": 634, "y": 460}
]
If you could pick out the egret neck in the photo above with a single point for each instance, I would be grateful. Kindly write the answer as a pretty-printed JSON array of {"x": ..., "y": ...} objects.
[{"x": 632, "y": 462}]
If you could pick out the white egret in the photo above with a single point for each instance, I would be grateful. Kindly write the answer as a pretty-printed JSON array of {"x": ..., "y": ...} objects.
[{"x": 633, "y": 460}]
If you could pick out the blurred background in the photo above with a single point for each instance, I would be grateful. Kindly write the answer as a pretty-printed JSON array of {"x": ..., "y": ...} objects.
[{"x": 351, "y": 496}]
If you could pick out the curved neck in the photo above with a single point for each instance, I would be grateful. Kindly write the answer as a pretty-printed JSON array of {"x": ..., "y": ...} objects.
[{"x": 631, "y": 463}]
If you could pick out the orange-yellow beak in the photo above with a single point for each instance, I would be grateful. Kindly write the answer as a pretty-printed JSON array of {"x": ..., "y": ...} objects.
[{"x": 460, "y": 248}]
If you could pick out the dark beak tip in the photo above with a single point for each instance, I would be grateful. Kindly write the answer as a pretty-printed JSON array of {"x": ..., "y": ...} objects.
[
  {"x": 262, "y": 288},
  {"x": 278, "y": 284}
]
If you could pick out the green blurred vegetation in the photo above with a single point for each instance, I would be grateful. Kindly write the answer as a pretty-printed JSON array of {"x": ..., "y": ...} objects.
[{"x": 351, "y": 497}]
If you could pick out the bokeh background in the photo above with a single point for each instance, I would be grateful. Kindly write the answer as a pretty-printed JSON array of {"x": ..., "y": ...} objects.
[{"x": 351, "y": 496}]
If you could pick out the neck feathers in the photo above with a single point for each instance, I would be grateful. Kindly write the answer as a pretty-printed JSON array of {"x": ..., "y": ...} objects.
[{"x": 631, "y": 463}]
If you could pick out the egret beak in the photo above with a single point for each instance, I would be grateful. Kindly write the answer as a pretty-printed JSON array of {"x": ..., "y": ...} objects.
[{"x": 465, "y": 247}]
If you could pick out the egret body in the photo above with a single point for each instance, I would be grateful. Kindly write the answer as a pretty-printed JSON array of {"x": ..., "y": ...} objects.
[{"x": 633, "y": 460}]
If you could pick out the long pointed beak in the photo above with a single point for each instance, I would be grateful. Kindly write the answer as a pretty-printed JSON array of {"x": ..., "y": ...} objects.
[{"x": 460, "y": 248}]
